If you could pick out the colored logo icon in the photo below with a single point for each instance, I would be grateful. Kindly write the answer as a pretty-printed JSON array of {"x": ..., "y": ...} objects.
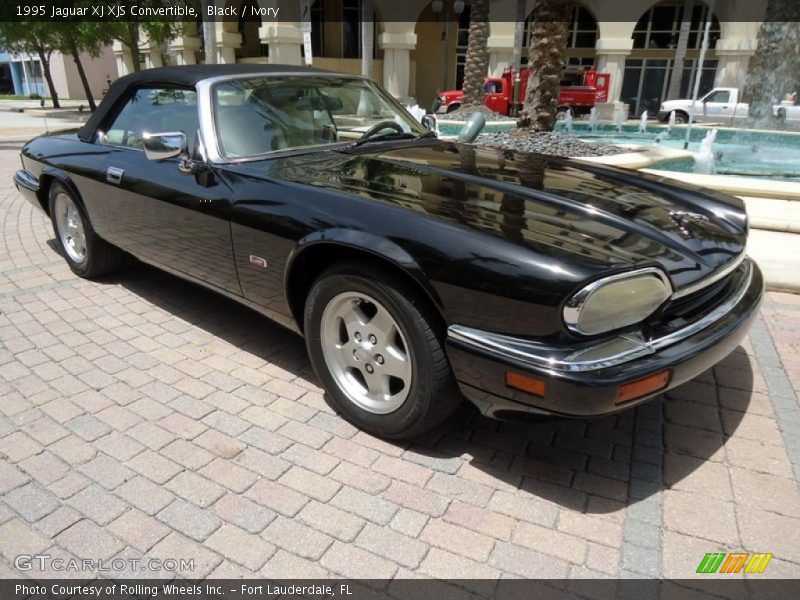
[{"x": 734, "y": 562}]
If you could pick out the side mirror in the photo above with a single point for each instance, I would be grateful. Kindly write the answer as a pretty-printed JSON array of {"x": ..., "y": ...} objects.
[{"x": 160, "y": 146}]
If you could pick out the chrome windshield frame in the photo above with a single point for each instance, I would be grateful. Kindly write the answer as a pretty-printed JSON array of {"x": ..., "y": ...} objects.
[{"x": 206, "y": 113}]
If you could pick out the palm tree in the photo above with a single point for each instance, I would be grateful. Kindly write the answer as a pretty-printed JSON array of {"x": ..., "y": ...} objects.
[
  {"x": 476, "y": 65},
  {"x": 775, "y": 63},
  {"x": 547, "y": 47}
]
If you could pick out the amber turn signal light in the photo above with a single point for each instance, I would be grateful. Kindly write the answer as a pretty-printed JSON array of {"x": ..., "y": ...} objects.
[
  {"x": 642, "y": 387},
  {"x": 525, "y": 383}
]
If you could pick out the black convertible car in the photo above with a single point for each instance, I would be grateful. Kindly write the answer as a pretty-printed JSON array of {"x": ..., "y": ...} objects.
[{"x": 417, "y": 269}]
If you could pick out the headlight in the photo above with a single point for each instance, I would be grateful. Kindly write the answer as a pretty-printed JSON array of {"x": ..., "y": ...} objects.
[
  {"x": 616, "y": 301},
  {"x": 662, "y": 107}
]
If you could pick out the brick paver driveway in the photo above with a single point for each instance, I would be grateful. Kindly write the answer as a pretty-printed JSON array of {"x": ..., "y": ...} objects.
[{"x": 141, "y": 415}]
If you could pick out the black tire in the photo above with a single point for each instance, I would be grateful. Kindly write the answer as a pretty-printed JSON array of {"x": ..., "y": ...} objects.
[
  {"x": 453, "y": 107},
  {"x": 101, "y": 257},
  {"x": 681, "y": 118},
  {"x": 433, "y": 394}
]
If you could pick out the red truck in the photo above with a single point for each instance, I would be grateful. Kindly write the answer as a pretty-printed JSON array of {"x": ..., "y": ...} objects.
[{"x": 580, "y": 91}]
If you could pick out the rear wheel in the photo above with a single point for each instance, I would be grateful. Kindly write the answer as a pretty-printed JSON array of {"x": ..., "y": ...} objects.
[
  {"x": 373, "y": 342},
  {"x": 86, "y": 253}
]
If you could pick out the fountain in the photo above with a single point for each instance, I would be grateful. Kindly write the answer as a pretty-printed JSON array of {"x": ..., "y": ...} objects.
[
  {"x": 568, "y": 121},
  {"x": 417, "y": 112},
  {"x": 643, "y": 122},
  {"x": 704, "y": 158},
  {"x": 671, "y": 122},
  {"x": 619, "y": 118},
  {"x": 593, "y": 119}
]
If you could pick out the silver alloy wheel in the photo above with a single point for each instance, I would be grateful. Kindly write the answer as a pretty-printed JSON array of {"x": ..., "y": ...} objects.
[
  {"x": 366, "y": 352},
  {"x": 70, "y": 227}
]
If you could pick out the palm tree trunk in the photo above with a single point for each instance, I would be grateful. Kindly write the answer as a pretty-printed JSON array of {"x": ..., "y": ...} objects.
[
  {"x": 476, "y": 65},
  {"x": 775, "y": 60},
  {"x": 676, "y": 76},
  {"x": 76, "y": 56},
  {"x": 44, "y": 57},
  {"x": 547, "y": 47}
]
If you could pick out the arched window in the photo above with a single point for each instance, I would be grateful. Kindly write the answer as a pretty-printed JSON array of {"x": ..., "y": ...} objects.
[
  {"x": 660, "y": 26},
  {"x": 649, "y": 67}
]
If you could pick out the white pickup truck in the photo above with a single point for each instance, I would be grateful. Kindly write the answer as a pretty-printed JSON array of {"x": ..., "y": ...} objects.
[{"x": 722, "y": 104}]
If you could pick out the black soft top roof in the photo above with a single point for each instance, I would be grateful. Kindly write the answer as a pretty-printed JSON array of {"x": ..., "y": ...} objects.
[{"x": 187, "y": 75}]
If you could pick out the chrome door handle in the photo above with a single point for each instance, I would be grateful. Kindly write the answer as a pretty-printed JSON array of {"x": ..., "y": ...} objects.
[{"x": 114, "y": 175}]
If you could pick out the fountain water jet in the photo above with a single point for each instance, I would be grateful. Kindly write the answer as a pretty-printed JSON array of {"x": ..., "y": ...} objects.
[
  {"x": 619, "y": 119},
  {"x": 416, "y": 111},
  {"x": 671, "y": 122},
  {"x": 698, "y": 75},
  {"x": 593, "y": 119},
  {"x": 704, "y": 158},
  {"x": 643, "y": 123},
  {"x": 568, "y": 121}
]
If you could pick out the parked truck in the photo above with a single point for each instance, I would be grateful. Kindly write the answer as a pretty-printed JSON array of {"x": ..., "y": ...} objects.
[
  {"x": 580, "y": 91},
  {"x": 722, "y": 104}
]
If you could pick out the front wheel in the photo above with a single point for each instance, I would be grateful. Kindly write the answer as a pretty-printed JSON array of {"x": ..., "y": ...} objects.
[
  {"x": 681, "y": 118},
  {"x": 373, "y": 341},
  {"x": 85, "y": 252}
]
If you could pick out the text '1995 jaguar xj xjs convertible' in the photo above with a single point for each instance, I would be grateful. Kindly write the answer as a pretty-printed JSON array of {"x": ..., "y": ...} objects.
[{"x": 420, "y": 271}]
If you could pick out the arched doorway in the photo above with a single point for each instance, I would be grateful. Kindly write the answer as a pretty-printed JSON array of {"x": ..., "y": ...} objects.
[
  {"x": 248, "y": 26},
  {"x": 336, "y": 29},
  {"x": 648, "y": 69}
]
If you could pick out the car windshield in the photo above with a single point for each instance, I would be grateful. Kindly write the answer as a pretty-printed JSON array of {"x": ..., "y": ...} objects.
[{"x": 260, "y": 115}]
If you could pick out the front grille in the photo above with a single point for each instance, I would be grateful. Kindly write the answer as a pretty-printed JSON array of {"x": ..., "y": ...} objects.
[{"x": 677, "y": 313}]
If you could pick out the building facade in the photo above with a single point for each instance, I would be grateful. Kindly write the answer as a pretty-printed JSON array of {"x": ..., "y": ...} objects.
[
  {"x": 416, "y": 58},
  {"x": 22, "y": 74}
]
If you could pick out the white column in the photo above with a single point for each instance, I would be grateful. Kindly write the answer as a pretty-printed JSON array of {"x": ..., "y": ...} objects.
[
  {"x": 611, "y": 54},
  {"x": 153, "y": 55},
  {"x": 226, "y": 44},
  {"x": 501, "y": 47},
  {"x": 185, "y": 48},
  {"x": 28, "y": 90},
  {"x": 734, "y": 58},
  {"x": 397, "y": 49},
  {"x": 285, "y": 41},
  {"x": 124, "y": 58}
]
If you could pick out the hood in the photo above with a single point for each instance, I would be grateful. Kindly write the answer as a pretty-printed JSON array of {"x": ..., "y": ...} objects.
[{"x": 611, "y": 218}]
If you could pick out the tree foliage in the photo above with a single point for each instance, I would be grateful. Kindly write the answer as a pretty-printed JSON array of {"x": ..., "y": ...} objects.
[{"x": 32, "y": 39}]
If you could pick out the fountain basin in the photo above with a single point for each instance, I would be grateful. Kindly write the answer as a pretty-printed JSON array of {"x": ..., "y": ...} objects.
[{"x": 740, "y": 152}]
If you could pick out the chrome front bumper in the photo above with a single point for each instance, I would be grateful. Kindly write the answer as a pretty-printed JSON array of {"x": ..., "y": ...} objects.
[
  {"x": 609, "y": 353},
  {"x": 583, "y": 380}
]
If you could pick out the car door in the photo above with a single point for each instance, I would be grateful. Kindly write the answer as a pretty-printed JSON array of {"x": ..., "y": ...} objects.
[
  {"x": 158, "y": 213},
  {"x": 495, "y": 98},
  {"x": 717, "y": 104}
]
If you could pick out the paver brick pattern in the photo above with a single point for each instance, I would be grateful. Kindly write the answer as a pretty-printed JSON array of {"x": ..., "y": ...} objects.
[{"x": 142, "y": 415}]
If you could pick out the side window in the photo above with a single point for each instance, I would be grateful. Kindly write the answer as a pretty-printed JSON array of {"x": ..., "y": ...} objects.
[
  {"x": 153, "y": 110},
  {"x": 720, "y": 96}
]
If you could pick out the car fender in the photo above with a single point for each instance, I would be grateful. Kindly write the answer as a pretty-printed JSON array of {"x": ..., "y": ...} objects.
[
  {"x": 63, "y": 177},
  {"x": 362, "y": 241}
]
